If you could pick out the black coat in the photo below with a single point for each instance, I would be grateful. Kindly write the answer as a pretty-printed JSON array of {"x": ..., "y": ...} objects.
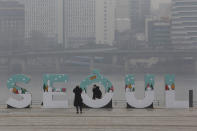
[
  {"x": 78, "y": 100},
  {"x": 97, "y": 93}
]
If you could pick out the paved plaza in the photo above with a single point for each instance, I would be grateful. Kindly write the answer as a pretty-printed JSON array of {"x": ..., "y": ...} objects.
[{"x": 119, "y": 119}]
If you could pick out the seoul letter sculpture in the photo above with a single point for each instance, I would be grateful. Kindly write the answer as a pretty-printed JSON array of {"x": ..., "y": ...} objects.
[
  {"x": 26, "y": 98},
  {"x": 132, "y": 102},
  {"x": 50, "y": 91},
  {"x": 94, "y": 78},
  {"x": 170, "y": 100}
]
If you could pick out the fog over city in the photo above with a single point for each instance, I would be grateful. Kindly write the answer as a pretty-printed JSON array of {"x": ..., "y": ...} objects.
[
  {"x": 155, "y": 3},
  {"x": 116, "y": 37}
]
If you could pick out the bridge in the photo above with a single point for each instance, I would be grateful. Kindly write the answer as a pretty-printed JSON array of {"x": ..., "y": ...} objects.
[
  {"x": 113, "y": 54},
  {"x": 102, "y": 52}
]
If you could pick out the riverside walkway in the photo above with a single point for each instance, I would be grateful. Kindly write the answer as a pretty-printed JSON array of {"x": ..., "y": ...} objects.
[{"x": 118, "y": 119}]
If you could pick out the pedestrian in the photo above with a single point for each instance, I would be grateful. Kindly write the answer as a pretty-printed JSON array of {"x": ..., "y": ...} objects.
[
  {"x": 78, "y": 102},
  {"x": 94, "y": 92},
  {"x": 97, "y": 94}
]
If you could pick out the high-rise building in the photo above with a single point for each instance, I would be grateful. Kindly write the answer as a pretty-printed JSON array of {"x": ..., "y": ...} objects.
[
  {"x": 12, "y": 25},
  {"x": 122, "y": 15},
  {"x": 139, "y": 10},
  {"x": 184, "y": 23},
  {"x": 158, "y": 32},
  {"x": 41, "y": 16},
  {"x": 88, "y": 22},
  {"x": 105, "y": 21},
  {"x": 79, "y": 22}
]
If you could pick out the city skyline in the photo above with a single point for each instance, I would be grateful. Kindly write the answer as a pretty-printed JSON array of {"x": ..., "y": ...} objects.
[{"x": 184, "y": 25}]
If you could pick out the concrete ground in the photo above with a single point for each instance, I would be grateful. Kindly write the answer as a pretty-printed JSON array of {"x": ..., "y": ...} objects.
[{"x": 119, "y": 119}]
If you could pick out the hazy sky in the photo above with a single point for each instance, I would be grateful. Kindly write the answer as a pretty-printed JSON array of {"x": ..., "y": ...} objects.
[{"x": 156, "y": 2}]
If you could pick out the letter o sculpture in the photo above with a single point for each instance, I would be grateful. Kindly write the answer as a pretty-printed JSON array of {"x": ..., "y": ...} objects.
[{"x": 96, "y": 77}]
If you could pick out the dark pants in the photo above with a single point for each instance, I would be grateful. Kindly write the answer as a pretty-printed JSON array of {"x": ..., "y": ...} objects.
[{"x": 79, "y": 107}]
